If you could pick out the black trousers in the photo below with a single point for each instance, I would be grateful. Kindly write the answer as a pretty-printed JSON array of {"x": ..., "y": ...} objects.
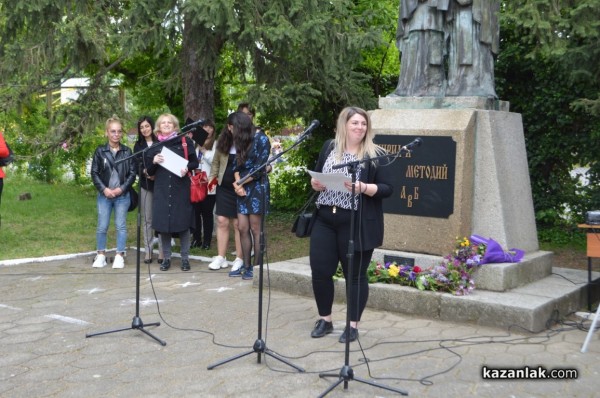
[
  {"x": 205, "y": 220},
  {"x": 329, "y": 247}
]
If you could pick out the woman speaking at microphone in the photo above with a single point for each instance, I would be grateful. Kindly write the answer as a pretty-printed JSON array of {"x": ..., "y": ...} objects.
[
  {"x": 331, "y": 231},
  {"x": 172, "y": 211}
]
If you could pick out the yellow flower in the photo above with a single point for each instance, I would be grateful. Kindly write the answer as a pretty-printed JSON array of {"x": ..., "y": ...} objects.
[{"x": 393, "y": 270}]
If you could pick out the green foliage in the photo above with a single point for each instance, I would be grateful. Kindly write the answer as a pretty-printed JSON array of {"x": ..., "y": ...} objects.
[
  {"x": 562, "y": 236},
  {"x": 569, "y": 30},
  {"x": 293, "y": 60},
  {"x": 558, "y": 137},
  {"x": 289, "y": 187},
  {"x": 289, "y": 180}
]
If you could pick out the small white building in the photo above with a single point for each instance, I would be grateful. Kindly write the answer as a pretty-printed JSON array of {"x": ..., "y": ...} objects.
[{"x": 70, "y": 89}]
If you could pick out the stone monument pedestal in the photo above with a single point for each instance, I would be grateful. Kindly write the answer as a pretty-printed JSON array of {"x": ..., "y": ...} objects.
[
  {"x": 491, "y": 194},
  {"x": 488, "y": 181}
]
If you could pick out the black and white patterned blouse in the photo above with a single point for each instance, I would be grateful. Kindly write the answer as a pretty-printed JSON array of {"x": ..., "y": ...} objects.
[{"x": 337, "y": 198}]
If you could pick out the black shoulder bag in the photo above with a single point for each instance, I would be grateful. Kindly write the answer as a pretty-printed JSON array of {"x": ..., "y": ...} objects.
[
  {"x": 5, "y": 161},
  {"x": 305, "y": 217}
]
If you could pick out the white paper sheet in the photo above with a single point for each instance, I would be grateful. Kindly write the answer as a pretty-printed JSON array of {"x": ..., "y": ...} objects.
[
  {"x": 173, "y": 162},
  {"x": 333, "y": 181}
]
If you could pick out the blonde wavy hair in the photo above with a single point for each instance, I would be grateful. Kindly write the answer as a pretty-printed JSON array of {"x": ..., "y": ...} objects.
[
  {"x": 166, "y": 116},
  {"x": 367, "y": 147},
  {"x": 111, "y": 120}
]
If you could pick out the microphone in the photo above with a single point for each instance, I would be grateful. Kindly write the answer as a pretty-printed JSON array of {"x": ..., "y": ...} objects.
[
  {"x": 189, "y": 126},
  {"x": 413, "y": 144},
  {"x": 313, "y": 125},
  {"x": 199, "y": 135}
]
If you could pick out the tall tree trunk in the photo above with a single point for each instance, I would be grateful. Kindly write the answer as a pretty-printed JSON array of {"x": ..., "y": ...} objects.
[{"x": 198, "y": 74}]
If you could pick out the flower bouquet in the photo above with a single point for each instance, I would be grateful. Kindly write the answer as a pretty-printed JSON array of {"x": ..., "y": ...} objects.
[{"x": 453, "y": 275}]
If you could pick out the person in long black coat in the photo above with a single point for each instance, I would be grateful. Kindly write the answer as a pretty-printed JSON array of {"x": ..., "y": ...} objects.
[{"x": 172, "y": 211}]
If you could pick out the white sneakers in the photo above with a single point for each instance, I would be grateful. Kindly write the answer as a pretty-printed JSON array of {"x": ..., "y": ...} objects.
[
  {"x": 99, "y": 261},
  {"x": 237, "y": 264},
  {"x": 118, "y": 262},
  {"x": 218, "y": 262}
]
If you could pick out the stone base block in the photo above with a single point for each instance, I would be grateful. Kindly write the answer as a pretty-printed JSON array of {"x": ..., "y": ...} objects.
[
  {"x": 498, "y": 277},
  {"x": 532, "y": 307},
  {"x": 443, "y": 103}
]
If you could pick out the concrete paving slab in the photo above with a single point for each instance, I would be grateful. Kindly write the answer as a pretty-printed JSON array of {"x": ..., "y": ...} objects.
[{"x": 48, "y": 307}]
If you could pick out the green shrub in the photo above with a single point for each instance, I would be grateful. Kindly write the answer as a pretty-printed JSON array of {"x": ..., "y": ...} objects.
[{"x": 289, "y": 187}]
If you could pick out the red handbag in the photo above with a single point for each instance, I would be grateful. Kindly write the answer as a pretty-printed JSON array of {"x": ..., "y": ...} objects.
[{"x": 198, "y": 180}]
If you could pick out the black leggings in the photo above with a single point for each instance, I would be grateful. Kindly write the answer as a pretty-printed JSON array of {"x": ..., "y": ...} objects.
[
  {"x": 205, "y": 220},
  {"x": 249, "y": 227},
  {"x": 328, "y": 247}
]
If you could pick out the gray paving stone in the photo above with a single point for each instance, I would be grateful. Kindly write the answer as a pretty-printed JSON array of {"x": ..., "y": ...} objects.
[{"x": 48, "y": 307}]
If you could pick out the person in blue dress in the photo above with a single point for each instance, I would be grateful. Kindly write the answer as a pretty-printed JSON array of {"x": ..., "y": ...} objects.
[{"x": 251, "y": 186}]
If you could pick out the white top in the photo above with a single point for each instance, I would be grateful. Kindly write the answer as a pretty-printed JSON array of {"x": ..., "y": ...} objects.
[{"x": 205, "y": 163}]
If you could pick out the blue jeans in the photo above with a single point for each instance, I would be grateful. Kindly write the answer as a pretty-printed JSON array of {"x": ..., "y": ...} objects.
[{"x": 105, "y": 207}]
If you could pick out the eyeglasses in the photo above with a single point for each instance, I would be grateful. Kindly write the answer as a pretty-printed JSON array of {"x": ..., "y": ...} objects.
[{"x": 115, "y": 132}]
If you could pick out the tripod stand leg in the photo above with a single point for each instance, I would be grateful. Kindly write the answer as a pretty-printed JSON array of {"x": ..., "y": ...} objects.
[
  {"x": 347, "y": 374},
  {"x": 275, "y": 356},
  {"x": 106, "y": 332},
  {"x": 136, "y": 324},
  {"x": 139, "y": 325},
  {"x": 331, "y": 387},
  {"x": 210, "y": 367},
  {"x": 259, "y": 348},
  {"x": 371, "y": 383}
]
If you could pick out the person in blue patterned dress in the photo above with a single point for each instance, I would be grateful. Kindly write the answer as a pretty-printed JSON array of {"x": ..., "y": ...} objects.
[{"x": 253, "y": 149}]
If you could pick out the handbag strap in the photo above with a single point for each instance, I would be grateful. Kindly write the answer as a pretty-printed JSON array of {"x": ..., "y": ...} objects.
[
  {"x": 185, "y": 152},
  {"x": 184, "y": 144},
  {"x": 310, "y": 200}
]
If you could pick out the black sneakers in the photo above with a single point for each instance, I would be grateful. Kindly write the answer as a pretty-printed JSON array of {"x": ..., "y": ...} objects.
[
  {"x": 353, "y": 335},
  {"x": 165, "y": 265},
  {"x": 322, "y": 327},
  {"x": 185, "y": 265}
]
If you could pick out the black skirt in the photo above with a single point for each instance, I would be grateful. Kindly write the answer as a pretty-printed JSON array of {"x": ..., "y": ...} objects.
[
  {"x": 226, "y": 202},
  {"x": 226, "y": 197}
]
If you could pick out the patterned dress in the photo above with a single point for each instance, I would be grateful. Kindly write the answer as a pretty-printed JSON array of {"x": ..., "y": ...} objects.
[
  {"x": 337, "y": 198},
  {"x": 257, "y": 196}
]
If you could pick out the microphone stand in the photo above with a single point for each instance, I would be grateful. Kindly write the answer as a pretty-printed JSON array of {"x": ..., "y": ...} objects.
[
  {"x": 137, "y": 323},
  {"x": 260, "y": 347},
  {"x": 346, "y": 372}
]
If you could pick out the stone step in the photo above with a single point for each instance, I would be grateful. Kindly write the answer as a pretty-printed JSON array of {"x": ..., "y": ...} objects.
[
  {"x": 531, "y": 307},
  {"x": 498, "y": 277}
]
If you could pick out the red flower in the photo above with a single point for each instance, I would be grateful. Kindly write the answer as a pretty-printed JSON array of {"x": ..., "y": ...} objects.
[{"x": 417, "y": 269}]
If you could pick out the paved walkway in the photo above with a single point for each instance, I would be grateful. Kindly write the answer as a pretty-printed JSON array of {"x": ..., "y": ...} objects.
[{"x": 47, "y": 308}]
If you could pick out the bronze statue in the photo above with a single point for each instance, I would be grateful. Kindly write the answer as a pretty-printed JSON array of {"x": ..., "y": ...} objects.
[
  {"x": 420, "y": 40},
  {"x": 474, "y": 40},
  {"x": 463, "y": 33}
]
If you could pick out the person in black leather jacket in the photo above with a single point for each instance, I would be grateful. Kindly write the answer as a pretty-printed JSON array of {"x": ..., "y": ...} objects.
[{"x": 112, "y": 179}]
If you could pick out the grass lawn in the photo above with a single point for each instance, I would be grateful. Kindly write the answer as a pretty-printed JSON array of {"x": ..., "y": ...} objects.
[{"x": 61, "y": 219}]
